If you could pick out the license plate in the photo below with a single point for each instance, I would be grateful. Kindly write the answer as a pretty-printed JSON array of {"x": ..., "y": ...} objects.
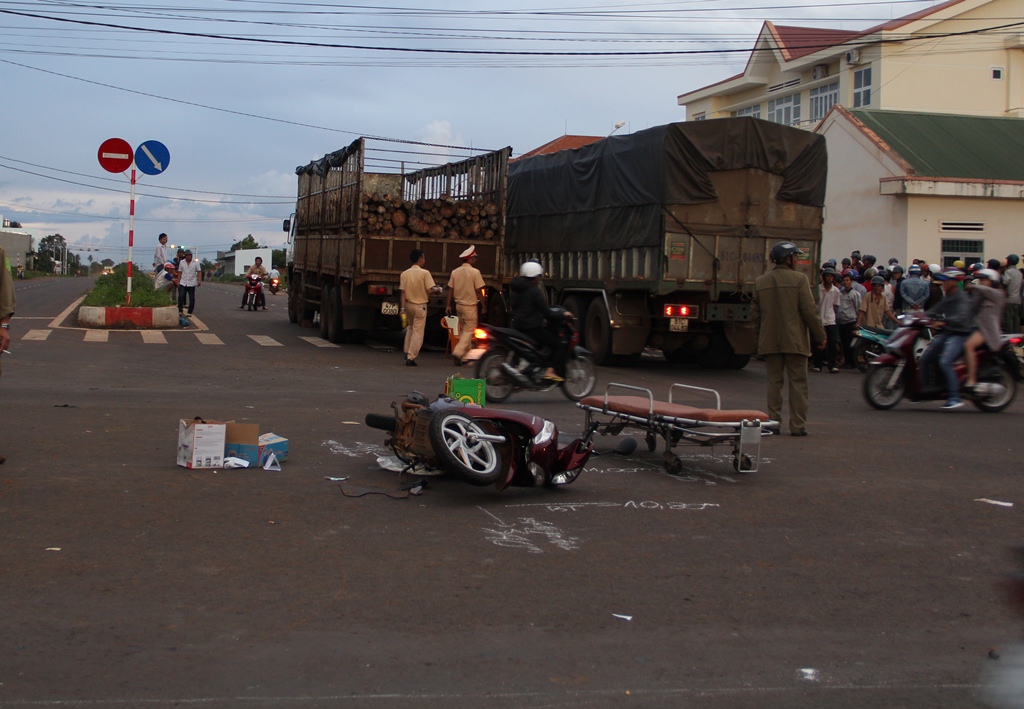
[
  {"x": 474, "y": 354},
  {"x": 389, "y": 308},
  {"x": 678, "y": 325},
  {"x": 1019, "y": 351}
]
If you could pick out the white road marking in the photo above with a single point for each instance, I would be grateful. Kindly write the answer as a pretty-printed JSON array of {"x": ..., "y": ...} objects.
[
  {"x": 208, "y": 338},
  {"x": 153, "y": 337},
  {"x": 519, "y": 537},
  {"x": 38, "y": 335},
  {"x": 97, "y": 335},
  {"x": 265, "y": 341},
  {"x": 318, "y": 341}
]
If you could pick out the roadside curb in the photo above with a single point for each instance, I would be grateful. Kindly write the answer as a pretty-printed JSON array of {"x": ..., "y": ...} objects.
[{"x": 125, "y": 317}]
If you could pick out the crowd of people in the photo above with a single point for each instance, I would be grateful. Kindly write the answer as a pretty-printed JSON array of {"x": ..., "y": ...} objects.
[{"x": 976, "y": 301}]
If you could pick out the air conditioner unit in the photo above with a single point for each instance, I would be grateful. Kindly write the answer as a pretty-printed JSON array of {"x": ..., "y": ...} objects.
[
  {"x": 853, "y": 56},
  {"x": 819, "y": 72}
]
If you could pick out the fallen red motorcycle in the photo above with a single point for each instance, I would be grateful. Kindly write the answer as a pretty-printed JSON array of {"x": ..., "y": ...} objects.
[
  {"x": 480, "y": 445},
  {"x": 253, "y": 291},
  {"x": 896, "y": 373}
]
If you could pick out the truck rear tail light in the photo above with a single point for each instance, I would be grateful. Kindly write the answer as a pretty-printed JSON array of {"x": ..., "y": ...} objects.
[
  {"x": 679, "y": 311},
  {"x": 378, "y": 290}
]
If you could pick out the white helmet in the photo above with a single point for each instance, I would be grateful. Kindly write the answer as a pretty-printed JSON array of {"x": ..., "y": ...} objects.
[
  {"x": 987, "y": 273},
  {"x": 531, "y": 269}
]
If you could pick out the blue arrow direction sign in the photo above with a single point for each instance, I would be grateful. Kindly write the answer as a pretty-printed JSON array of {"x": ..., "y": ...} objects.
[{"x": 152, "y": 157}]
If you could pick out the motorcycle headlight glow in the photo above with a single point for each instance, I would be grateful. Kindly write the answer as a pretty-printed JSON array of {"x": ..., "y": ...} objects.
[{"x": 545, "y": 435}]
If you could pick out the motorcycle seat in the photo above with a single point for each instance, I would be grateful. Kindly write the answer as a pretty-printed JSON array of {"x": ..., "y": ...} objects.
[
  {"x": 512, "y": 333},
  {"x": 876, "y": 330}
]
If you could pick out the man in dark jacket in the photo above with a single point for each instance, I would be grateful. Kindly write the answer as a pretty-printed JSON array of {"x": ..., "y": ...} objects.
[
  {"x": 954, "y": 311},
  {"x": 530, "y": 314},
  {"x": 783, "y": 311}
]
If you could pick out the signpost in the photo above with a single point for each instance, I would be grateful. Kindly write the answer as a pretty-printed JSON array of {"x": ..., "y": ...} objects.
[{"x": 116, "y": 155}]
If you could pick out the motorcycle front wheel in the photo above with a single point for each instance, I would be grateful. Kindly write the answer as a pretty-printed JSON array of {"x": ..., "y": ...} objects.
[
  {"x": 475, "y": 461},
  {"x": 879, "y": 390},
  {"x": 580, "y": 377},
  {"x": 488, "y": 368}
]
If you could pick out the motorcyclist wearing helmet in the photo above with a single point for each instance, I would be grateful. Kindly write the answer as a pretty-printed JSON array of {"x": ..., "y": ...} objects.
[
  {"x": 987, "y": 300},
  {"x": 530, "y": 314},
  {"x": 954, "y": 314},
  {"x": 875, "y": 308},
  {"x": 1013, "y": 282},
  {"x": 783, "y": 312}
]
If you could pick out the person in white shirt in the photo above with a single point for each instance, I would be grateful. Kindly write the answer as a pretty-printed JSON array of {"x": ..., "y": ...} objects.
[
  {"x": 162, "y": 254},
  {"x": 827, "y": 297},
  {"x": 191, "y": 278}
]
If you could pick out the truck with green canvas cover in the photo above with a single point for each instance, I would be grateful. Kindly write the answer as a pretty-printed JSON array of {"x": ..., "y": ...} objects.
[{"x": 655, "y": 239}]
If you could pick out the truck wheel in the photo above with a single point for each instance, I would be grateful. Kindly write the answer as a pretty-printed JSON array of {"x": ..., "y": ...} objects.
[
  {"x": 717, "y": 354},
  {"x": 599, "y": 332},
  {"x": 325, "y": 306},
  {"x": 738, "y": 361},
  {"x": 335, "y": 325},
  {"x": 578, "y": 307}
]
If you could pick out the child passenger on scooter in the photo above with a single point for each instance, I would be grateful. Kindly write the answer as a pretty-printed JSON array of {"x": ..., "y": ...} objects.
[{"x": 987, "y": 310}]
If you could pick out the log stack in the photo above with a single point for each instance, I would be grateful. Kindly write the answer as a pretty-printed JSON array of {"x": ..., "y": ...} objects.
[{"x": 442, "y": 218}]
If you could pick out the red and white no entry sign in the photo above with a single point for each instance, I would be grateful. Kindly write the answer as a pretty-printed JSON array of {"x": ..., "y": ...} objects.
[{"x": 116, "y": 155}]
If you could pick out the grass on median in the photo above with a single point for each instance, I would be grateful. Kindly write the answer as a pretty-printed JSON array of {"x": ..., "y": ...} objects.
[{"x": 110, "y": 290}]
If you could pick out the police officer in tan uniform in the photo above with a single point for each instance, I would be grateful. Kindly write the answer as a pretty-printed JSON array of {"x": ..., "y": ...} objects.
[
  {"x": 6, "y": 308},
  {"x": 783, "y": 312},
  {"x": 465, "y": 292},
  {"x": 417, "y": 284}
]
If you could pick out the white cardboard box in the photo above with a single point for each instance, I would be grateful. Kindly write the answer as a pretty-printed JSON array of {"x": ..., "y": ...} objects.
[{"x": 201, "y": 444}]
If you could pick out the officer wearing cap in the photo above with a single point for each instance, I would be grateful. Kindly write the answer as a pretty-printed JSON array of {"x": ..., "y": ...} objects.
[
  {"x": 783, "y": 312},
  {"x": 465, "y": 293}
]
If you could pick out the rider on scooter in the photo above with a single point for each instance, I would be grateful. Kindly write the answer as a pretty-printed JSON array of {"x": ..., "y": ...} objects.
[
  {"x": 954, "y": 310},
  {"x": 530, "y": 313},
  {"x": 257, "y": 269}
]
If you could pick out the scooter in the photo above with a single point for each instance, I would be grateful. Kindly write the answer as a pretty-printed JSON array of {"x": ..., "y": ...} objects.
[
  {"x": 481, "y": 446},
  {"x": 509, "y": 360},
  {"x": 274, "y": 286},
  {"x": 253, "y": 291},
  {"x": 897, "y": 374},
  {"x": 869, "y": 342}
]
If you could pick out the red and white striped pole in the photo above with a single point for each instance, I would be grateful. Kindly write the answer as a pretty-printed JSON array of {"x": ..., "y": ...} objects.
[{"x": 131, "y": 238}]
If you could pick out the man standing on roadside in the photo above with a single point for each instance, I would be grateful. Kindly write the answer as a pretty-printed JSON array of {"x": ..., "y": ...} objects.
[
  {"x": 162, "y": 254},
  {"x": 6, "y": 308},
  {"x": 465, "y": 293},
  {"x": 783, "y": 312},
  {"x": 191, "y": 278},
  {"x": 417, "y": 284}
]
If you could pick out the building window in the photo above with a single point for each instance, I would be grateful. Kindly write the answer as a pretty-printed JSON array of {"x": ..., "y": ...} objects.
[
  {"x": 700, "y": 116},
  {"x": 822, "y": 98},
  {"x": 961, "y": 226},
  {"x": 785, "y": 110},
  {"x": 752, "y": 111},
  {"x": 997, "y": 73},
  {"x": 862, "y": 88},
  {"x": 966, "y": 250}
]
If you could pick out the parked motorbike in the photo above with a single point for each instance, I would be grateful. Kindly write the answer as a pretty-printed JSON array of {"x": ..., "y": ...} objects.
[
  {"x": 482, "y": 446},
  {"x": 274, "y": 285},
  {"x": 253, "y": 291},
  {"x": 509, "y": 360},
  {"x": 868, "y": 343},
  {"x": 897, "y": 374}
]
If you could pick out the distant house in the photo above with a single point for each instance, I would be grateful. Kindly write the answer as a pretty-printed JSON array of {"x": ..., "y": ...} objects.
[
  {"x": 939, "y": 187},
  {"x": 961, "y": 56},
  {"x": 565, "y": 142},
  {"x": 238, "y": 262}
]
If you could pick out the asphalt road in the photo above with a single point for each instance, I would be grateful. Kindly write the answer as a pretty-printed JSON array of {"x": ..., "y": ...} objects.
[{"x": 857, "y": 568}]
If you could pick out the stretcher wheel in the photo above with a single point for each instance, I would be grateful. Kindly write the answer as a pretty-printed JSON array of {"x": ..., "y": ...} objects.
[
  {"x": 742, "y": 463},
  {"x": 652, "y": 441},
  {"x": 672, "y": 463}
]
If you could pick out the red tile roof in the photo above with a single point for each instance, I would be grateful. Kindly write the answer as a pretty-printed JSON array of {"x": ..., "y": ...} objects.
[
  {"x": 796, "y": 42},
  {"x": 566, "y": 142}
]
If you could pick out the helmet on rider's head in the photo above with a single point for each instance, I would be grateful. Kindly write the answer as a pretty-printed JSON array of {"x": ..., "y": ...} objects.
[
  {"x": 958, "y": 264},
  {"x": 783, "y": 250},
  {"x": 1013, "y": 259},
  {"x": 852, "y": 273},
  {"x": 988, "y": 273},
  {"x": 828, "y": 271},
  {"x": 896, "y": 268},
  {"x": 950, "y": 274},
  {"x": 846, "y": 262},
  {"x": 934, "y": 268},
  {"x": 994, "y": 264},
  {"x": 531, "y": 269},
  {"x": 877, "y": 281},
  {"x": 868, "y": 259},
  {"x": 914, "y": 270},
  {"x": 417, "y": 398}
]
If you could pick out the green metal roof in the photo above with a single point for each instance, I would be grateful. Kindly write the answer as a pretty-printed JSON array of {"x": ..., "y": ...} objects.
[{"x": 944, "y": 145}]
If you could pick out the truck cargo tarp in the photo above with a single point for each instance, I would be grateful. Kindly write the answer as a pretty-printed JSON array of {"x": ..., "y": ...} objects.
[{"x": 610, "y": 194}]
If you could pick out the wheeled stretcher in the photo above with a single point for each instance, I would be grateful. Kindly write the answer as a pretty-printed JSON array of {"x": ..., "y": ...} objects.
[{"x": 678, "y": 423}]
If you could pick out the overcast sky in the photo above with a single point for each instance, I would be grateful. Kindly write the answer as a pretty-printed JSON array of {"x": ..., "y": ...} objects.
[{"x": 243, "y": 91}]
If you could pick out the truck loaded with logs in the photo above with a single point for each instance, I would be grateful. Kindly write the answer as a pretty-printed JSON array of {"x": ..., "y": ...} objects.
[{"x": 653, "y": 239}]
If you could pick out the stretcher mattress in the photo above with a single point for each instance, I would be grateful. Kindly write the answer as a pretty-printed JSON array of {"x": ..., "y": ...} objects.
[{"x": 641, "y": 406}]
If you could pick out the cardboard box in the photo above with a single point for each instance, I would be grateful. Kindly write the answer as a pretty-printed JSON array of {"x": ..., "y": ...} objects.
[
  {"x": 273, "y": 443},
  {"x": 242, "y": 440},
  {"x": 468, "y": 391},
  {"x": 201, "y": 444}
]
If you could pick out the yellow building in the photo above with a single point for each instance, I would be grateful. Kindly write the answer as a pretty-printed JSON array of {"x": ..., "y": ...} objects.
[{"x": 961, "y": 56}]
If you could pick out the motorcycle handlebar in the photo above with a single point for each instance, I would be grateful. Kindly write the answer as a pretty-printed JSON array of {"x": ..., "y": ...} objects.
[{"x": 383, "y": 422}]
